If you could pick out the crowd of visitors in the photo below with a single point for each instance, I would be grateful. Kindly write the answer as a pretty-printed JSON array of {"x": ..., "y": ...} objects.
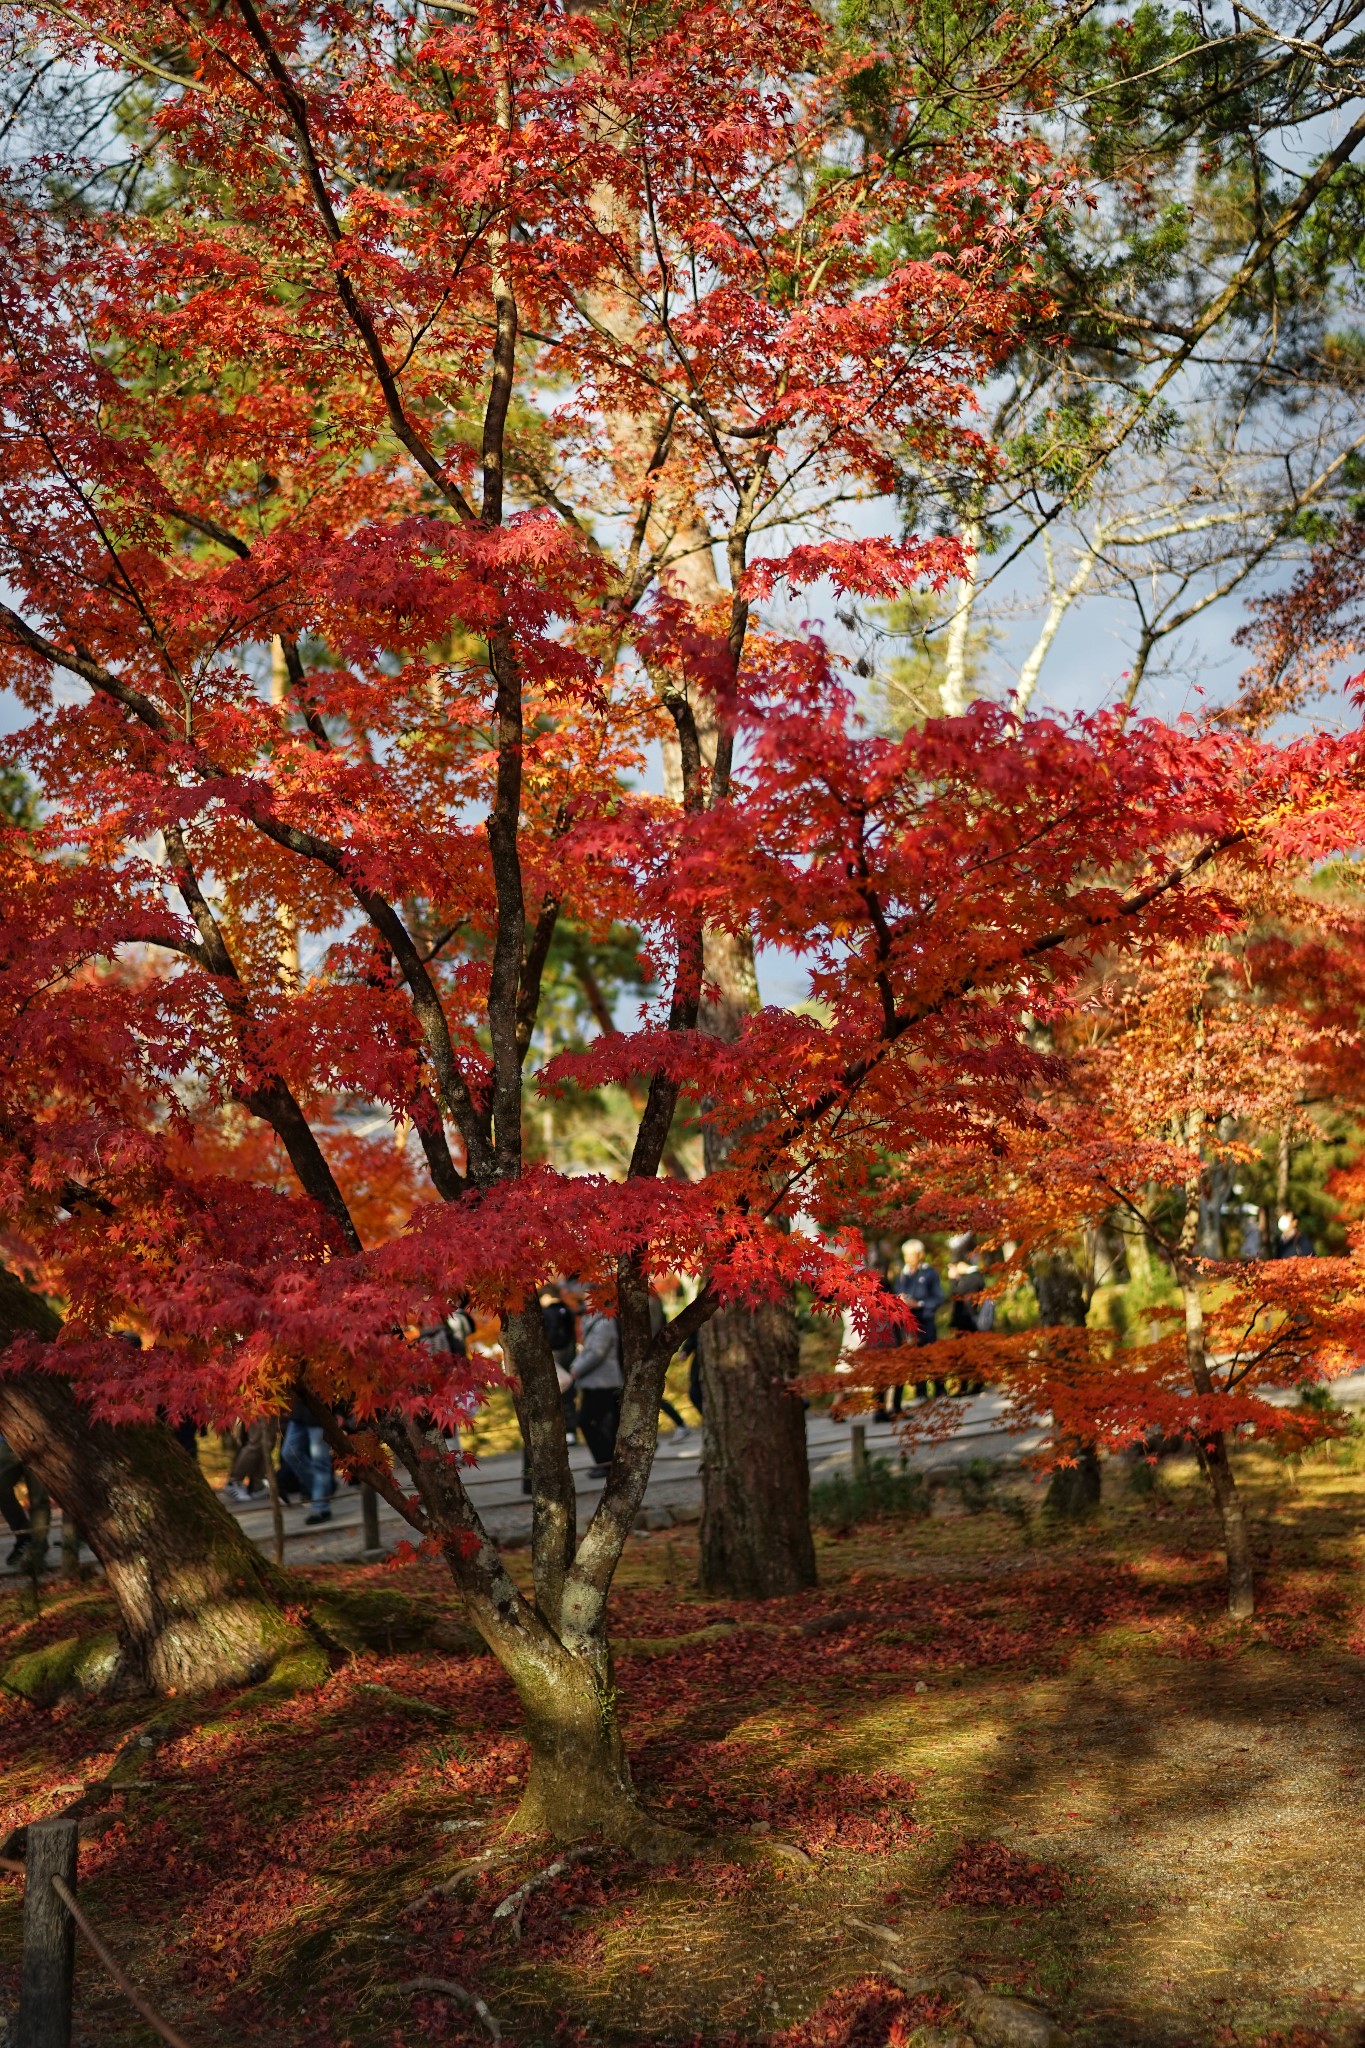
[{"x": 585, "y": 1345}]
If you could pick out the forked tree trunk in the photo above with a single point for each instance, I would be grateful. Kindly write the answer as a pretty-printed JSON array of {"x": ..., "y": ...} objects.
[
  {"x": 198, "y": 1606},
  {"x": 552, "y": 1642},
  {"x": 756, "y": 1541}
]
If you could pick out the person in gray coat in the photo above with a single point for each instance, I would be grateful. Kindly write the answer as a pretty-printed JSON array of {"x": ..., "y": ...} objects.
[{"x": 596, "y": 1372}]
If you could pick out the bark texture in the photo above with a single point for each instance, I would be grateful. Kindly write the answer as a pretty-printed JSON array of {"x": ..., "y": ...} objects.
[
  {"x": 1073, "y": 1490},
  {"x": 1217, "y": 1466},
  {"x": 756, "y": 1538},
  {"x": 1236, "y": 1534},
  {"x": 1060, "y": 1289},
  {"x": 198, "y": 1606},
  {"x": 579, "y": 1782}
]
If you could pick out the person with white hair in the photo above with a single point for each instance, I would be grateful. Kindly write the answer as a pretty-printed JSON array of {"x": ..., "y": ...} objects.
[{"x": 918, "y": 1285}]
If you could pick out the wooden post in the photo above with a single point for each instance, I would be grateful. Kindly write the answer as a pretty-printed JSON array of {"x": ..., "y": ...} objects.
[
  {"x": 71, "y": 1545},
  {"x": 49, "y": 1937},
  {"x": 859, "y": 1451},
  {"x": 369, "y": 1521}
]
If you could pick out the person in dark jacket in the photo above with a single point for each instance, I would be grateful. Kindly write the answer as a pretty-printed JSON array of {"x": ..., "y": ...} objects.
[
  {"x": 561, "y": 1334},
  {"x": 658, "y": 1317},
  {"x": 971, "y": 1310},
  {"x": 596, "y": 1373},
  {"x": 918, "y": 1285},
  {"x": 1292, "y": 1242}
]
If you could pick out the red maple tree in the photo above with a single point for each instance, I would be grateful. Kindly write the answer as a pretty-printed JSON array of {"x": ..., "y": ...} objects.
[{"x": 365, "y": 508}]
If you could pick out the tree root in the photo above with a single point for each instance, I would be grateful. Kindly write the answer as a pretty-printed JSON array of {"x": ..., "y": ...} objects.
[
  {"x": 491, "y": 1859},
  {"x": 446, "y": 1987},
  {"x": 991, "y": 2021},
  {"x": 77, "y": 1667},
  {"x": 514, "y": 1905},
  {"x": 405, "y": 1702},
  {"x": 618, "y": 1821}
]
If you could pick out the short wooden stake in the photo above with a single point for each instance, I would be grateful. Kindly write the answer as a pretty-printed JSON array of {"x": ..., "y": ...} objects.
[
  {"x": 859, "y": 1450},
  {"x": 369, "y": 1519},
  {"x": 49, "y": 1937}
]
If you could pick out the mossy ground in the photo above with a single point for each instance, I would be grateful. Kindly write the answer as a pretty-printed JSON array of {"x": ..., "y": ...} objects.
[{"x": 1040, "y": 1754}]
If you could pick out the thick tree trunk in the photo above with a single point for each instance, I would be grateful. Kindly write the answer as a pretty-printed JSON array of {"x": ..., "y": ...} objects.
[
  {"x": 198, "y": 1606},
  {"x": 755, "y": 1531},
  {"x": 756, "y": 1538},
  {"x": 1073, "y": 1490},
  {"x": 579, "y": 1782},
  {"x": 755, "y": 1527},
  {"x": 1060, "y": 1289}
]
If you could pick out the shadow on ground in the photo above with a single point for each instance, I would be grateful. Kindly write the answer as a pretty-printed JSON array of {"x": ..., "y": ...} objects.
[{"x": 1042, "y": 1756}]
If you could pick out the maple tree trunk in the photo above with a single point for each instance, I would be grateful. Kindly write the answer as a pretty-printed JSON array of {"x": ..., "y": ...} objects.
[
  {"x": 756, "y": 1540},
  {"x": 1217, "y": 1466},
  {"x": 1060, "y": 1289},
  {"x": 579, "y": 1782},
  {"x": 198, "y": 1606},
  {"x": 553, "y": 1645},
  {"x": 1213, "y": 1456}
]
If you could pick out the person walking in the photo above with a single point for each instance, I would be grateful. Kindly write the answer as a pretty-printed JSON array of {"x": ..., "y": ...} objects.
[
  {"x": 596, "y": 1374},
  {"x": 1251, "y": 1231},
  {"x": 20, "y": 1522},
  {"x": 247, "y": 1479},
  {"x": 690, "y": 1349},
  {"x": 658, "y": 1317},
  {"x": 307, "y": 1453},
  {"x": 561, "y": 1334},
  {"x": 919, "y": 1287},
  {"x": 971, "y": 1311}
]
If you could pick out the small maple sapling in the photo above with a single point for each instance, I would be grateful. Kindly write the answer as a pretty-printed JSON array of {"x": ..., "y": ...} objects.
[{"x": 347, "y": 507}]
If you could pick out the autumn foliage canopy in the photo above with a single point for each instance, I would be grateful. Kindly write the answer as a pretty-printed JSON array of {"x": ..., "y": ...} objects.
[{"x": 416, "y": 518}]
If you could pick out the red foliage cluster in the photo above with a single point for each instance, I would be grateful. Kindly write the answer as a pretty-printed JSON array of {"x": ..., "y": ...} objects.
[
  {"x": 816, "y": 1809},
  {"x": 989, "y": 1874},
  {"x": 868, "y": 2014}
]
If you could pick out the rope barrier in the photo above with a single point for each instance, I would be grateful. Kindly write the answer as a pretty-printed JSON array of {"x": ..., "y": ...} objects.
[
  {"x": 125, "y": 1984},
  {"x": 129, "y": 1991}
]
